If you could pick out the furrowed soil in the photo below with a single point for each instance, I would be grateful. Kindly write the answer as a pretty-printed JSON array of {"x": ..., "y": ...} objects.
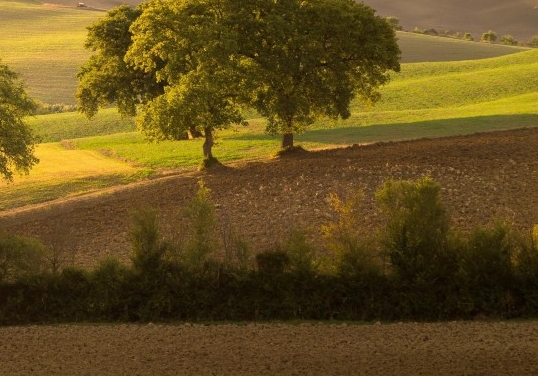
[
  {"x": 455, "y": 348},
  {"x": 484, "y": 177}
]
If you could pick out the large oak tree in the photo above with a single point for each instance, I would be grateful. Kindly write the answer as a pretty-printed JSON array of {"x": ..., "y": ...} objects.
[
  {"x": 194, "y": 64},
  {"x": 17, "y": 142}
]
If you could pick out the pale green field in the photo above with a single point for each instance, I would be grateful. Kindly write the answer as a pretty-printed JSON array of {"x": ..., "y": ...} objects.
[{"x": 62, "y": 173}]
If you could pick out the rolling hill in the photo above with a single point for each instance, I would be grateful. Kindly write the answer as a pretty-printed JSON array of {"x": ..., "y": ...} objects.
[{"x": 518, "y": 18}]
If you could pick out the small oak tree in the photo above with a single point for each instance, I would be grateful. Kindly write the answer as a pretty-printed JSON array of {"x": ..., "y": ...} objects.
[{"x": 17, "y": 142}]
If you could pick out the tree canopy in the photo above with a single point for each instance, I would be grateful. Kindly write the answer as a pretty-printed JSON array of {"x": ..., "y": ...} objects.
[
  {"x": 312, "y": 58},
  {"x": 17, "y": 142},
  {"x": 194, "y": 65}
]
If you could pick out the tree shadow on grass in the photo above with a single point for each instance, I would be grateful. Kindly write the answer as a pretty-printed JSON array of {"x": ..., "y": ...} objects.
[{"x": 407, "y": 131}]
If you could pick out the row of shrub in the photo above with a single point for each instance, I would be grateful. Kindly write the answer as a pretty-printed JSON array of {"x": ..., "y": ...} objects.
[{"x": 416, "y": 267}]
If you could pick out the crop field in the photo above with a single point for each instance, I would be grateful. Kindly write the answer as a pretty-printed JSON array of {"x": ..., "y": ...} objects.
[{"x": 45, "y": 45}]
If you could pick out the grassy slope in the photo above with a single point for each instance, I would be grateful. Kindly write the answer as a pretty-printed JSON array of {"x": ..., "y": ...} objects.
[{"x": 45, "y": 45}]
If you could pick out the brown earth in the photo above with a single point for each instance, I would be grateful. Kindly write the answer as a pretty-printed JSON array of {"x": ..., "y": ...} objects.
[
  {"x": 483, "y": 177},
  {"x": 455, "y": 348}
]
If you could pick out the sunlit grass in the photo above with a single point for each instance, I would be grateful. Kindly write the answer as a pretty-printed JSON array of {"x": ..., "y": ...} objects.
[
  {"x": 62, "y": 172},
  {"x": 45, "y": 45}
]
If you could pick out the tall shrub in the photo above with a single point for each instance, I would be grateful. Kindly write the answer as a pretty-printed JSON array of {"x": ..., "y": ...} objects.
[
  {"x": 488, "y": 268},
  {"x": 202, "y": 220},
  {"x": 148, "y": 247},
  {"x": 416, "y": 234},
  {"x": 350, "y": 252},
  {"x": 20, "y": 257}
]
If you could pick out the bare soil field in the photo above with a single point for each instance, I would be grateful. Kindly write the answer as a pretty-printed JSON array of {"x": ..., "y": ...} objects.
[
  {"x": 454, "y": 348},
  {"x": 484, "y": 177}
]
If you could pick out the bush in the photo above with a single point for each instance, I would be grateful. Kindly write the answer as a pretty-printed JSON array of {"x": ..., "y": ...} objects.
[
  {"x": 394, "y": 22},
  {"x": 108, "y": 283},
  {"x": 350, "y": 253},
  {"x": 508, "y": 40},
  {"x": 301, "y": 254},
  {"x": 416, "y": 234},
  {"x": 201, "y": 241},
  {"x": 468, "y": 36},
  {"x": 533, "y": 42},
  {"x": 487, "y": 266},
  {"x": 20, "y": 257},
  {"x": 489, "y": 37},
  {"x": 148, "y": 248}
]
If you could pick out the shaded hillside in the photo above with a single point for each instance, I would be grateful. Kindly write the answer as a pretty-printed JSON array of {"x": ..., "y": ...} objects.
[{"x": 518, "y": 18}]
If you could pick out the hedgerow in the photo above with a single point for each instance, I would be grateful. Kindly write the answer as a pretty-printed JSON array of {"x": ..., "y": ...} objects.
[{"x": 415, "y": 267}]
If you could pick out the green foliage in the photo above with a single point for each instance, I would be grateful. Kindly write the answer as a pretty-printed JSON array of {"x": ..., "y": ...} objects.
[
  {"x": 201, "y": 63},
  {"x": 350, "y": 252},
  {"x": 272, "y": 262},
  {"x": 490, "y": 271},
  {"x": 416, "y": 232},
  {"x": 201, "y": 239},
  {"x": 394, "y": 22},
  {"x": 105, "y": 78},
  {"x": 533, "y": 42},
  {"x": 468, "y": 36},
  {"x": 20, "y": 257},
  {"x": 107, "y": 283},
  {"x": 301, "y": 254},
  {"x": 17, "y": 141},
  {"x": 148, "y": 248},
  {"x": 487, "y": 260},
  {"x": 508, "y": 40},
  {"x": 324, "y": 55}
]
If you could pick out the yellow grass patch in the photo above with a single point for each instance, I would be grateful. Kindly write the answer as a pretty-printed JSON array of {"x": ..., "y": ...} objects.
[{"x": 63, "y": 172}]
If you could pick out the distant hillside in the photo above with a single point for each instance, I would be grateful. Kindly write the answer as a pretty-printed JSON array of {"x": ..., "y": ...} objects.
[{"x": 518, "y": 18}]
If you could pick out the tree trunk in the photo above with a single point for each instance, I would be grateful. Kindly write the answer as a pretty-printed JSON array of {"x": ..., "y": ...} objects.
[
  {"x": 208, "y": 143},
  {"x": 194, "y": 133},
  {"x": 287, "y": 141},
  {"x": 287, "y": 136}
]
